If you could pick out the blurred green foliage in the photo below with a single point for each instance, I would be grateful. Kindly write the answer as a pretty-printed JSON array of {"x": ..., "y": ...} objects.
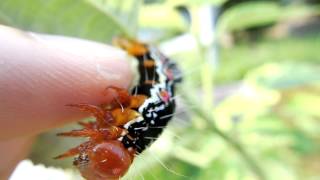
[
  {"x": 252, "y": 14},
  {"x": 287, "y": 49},
  {"x": 256, "y": 104},
  {"x": 86, "y": 19}
]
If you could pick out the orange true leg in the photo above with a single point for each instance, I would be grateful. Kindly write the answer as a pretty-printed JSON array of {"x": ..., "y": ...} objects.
[
  {"x": 87, "y": 125},
  {"x": 107, "y": 133},
  {"x": 102, "y": 116},
  {"x": 123, "y": 99},
  {"x": 111, "y": 133},
  {"x": 74, "y": 151},
  {"x": 120, "y": 97},
  {"x": 80, "y": 133},
  {"x": 69, "y": 153}
]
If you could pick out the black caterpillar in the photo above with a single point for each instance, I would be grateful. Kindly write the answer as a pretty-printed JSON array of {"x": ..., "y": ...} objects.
[{"x": 129, "y": 123}]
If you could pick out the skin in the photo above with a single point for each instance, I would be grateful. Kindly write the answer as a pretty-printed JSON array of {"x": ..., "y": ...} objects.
[{"x": 39, "y": 75}]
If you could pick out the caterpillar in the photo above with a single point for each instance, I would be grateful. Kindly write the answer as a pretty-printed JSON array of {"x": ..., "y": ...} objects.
[{"x": 131, "y": 121}]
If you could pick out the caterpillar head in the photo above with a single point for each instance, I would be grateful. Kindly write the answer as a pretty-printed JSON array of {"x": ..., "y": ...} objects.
[{"x": 107, "y": 160}]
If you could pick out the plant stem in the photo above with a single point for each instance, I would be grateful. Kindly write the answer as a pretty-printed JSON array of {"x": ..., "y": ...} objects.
[{"x": 235, "y": 144}]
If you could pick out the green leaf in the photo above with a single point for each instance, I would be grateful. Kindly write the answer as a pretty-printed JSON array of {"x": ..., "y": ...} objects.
[
  {"x": 252, "y": 14},
  {"x": 125, "y": 12},
  {"x": 249, "y": 14},
  {"x": 79, "y": 18}
]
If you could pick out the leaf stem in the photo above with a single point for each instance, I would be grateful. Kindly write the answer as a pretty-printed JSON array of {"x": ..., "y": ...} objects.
[{"x": 235, "y": 144}]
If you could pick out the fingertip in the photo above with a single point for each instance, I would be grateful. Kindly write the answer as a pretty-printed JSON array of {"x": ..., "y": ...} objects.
[
  {"x": 40, "y": 74},
  {"x": 13, "y": 151}
]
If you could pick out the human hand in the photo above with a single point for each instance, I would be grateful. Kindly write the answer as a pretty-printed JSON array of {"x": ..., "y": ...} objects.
[{"x": 39, "y": 75}]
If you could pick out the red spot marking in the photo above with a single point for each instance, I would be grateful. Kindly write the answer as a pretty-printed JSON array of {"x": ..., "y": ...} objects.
[
  {"x": 169, "y": 74},
  {"x": 165, "y": 96}
]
